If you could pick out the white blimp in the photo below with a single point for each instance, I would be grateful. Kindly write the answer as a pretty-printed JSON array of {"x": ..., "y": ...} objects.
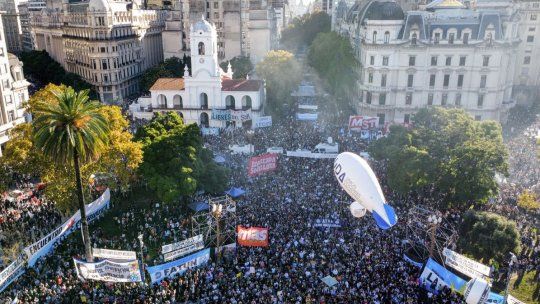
[{"x": 356, "y": 177}]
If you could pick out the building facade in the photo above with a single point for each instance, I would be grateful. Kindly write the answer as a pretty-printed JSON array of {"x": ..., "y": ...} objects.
[
  {"x": 13, "y": 92},
  {"x": 11, "y": 19},
  {"x": 108, "y": 43},
  {"x": 209, "y": 96},
  {"x": 445, "y": 55}
]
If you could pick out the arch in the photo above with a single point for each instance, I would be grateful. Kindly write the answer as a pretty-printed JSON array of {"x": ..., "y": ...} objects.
[
  {"x": 162, "y": 101},
  {"x": 374, "y": 36},
  {"x": 201, "y": 48},
  {"x": 204, "y": 121},
  {"x": 203, "y": 101},
  {"x": 246, "y": 102},
  {"x": 229, "y": 102},
  {"x": 386, "y": 37},
  {"x": 177, "y": 102}
]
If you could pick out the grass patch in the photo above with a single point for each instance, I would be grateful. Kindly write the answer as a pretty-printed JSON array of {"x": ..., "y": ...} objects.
[{"x": 525, "y": 288}]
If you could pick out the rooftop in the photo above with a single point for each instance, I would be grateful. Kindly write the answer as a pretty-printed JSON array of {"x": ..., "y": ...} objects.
[{"x": 168, "y": 84}]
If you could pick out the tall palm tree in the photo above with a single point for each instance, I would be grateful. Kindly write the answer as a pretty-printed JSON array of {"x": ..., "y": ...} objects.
[{"x": 73, "y": 130}]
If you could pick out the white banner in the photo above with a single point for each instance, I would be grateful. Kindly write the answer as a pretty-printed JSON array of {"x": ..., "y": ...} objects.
[
  {"x": 182, "y": 244},
  {"x": 262, "y": 122},
  {"x": 181, "y": 252},
  {"x": 465, "y": 265},
  {"x": 114, "y": 254},
  {"x": 512, "y": 300},
  {"x": 12, "y": 272},
  {"x": 309, "y": 154},
  {"x": 109, "y": 271}
]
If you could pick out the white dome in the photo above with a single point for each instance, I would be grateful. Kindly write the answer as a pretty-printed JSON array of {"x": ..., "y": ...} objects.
[{"x": 202, "y": 25}]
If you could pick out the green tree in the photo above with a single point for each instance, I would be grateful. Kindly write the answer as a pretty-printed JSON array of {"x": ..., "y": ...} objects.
[
  {"x": 72, "y": 130},
  {"x": 170, "y": 68},
  {"x": 333, "y": 58},
  {"x": 301, "y": 31},
  {"x": 282, "y": 74},
  {"x": 528, "y": 200},
  {"x": 175, "y": 162},
  {"x": 241, "y": 66},
  {"x": 446, "y": 149},
  {"x": 488, "y": 236}
]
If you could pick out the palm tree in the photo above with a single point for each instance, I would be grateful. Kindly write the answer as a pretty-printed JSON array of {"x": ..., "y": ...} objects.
[{"x": 72, "y": 131}]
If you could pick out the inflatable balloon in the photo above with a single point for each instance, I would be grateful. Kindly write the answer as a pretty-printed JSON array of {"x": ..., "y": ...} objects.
[
  {"x": 357, "y": 210},
  {"x": 476, "y": 291},
  {"x": 356, "y": 177}
]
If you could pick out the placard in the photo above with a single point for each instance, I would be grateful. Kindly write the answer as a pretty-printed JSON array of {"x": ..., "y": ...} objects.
[{"x": 109, "y": 271}]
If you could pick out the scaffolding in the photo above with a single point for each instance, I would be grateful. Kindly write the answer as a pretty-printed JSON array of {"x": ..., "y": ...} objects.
[{"x": 217, "y": 228}]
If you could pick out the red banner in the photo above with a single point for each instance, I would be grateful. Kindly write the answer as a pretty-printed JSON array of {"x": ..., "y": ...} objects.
[
  {"x": 359, "y": 122},
  {"x": 262, "y": 164},
  {"x": 254, "y": 236}
]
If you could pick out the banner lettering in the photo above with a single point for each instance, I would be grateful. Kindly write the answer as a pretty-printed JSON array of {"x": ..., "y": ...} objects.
[
  {"x": 358, "y": 122},
  {"x": 327, "y": 223},
  {"x": 12, "y": 272},
  {"x": 262, "y": 164},
  {"x": 114, "y": 254},
  {"x": 109, "y": 271},
  {"x": 171, "y": 269},
  {"x": 253, "y": 237},
  {"x": 229, "y": 115},
  {"x": 262, "y": 122},
  {"x": 465, "y": 265}
]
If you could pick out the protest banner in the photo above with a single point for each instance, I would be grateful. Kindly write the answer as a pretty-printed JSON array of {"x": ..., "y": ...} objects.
[
  {"x": 253, "y": 237},
  {"x": 465, "y": 265},
  {"x": 359, "y": 122},
  {"x": 231, "y": 115},
  {"x": 327, "y": 223},
  {"x": 178, "y": 267},
  {"x": 181, "y": 252},
  {"x": 262, "y": 164},
  {"x": 182, "y": 244},
  {"x": 109, "y": 271},
  {"x": 307, "y": 116},
  {"x": 262, "y": 122},
  {"x": 114, "y": 254},
  {"x": 12, "y": 272}
]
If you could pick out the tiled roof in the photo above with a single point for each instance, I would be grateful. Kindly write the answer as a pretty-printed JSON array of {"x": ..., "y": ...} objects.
[
  {"x": 240, "y": 85},
  {"x": 168, "y": 84}
]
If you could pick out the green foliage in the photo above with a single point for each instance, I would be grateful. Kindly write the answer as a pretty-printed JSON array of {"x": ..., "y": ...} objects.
[
  {"x": 333, "y": 58},
  {"x": 175, "y": 162},
  {"x": 170, "y": 68},
  {"x": 488, "y": 236},
  {"x": 528, "y": 200},
  {"x": 40, "y": 66},
  {"x": 447, "y": 149},
  {"x": 282, "y": 74},
  {"x": 241, "y": 66},
  {"x": 301, "y": 31}
]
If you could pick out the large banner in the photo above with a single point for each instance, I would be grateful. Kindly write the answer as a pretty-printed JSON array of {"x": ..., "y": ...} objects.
[
  {"x": 109, "y": 271},
  {"x": 309, "y": 154},
  {"x": 262, "y": 164},
  {"x": 509, "y": 300},
  {"x": 46, "y": 244},
  {"x": 114, "y": 254},
  {"x": 171, "y": 269},
  {"x": 262, "y": 122},
  {"x": 253, "y": 237},
  {"x": 307, "y": 116},
  {"x": 327, "y": 223},
  {"x": 228, "y": 115},
  {"x": 12, "y": 272},
  {"x": 358, "y": 122},
  {"x": 184, "y": 247},
  {"x": 209, "y": 131},
  {"x": 465, "y": 265}
]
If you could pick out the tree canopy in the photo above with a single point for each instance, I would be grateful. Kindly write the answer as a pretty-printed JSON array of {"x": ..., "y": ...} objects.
[
  {"x": 528, "y": 200},
  {"x": 241, "y": 66},
  {"x": 282, "y": 74},
  {"x": 175, "y": 163},
  {"x": 170, "y": 68},
  {"x": 488, "y": 236},
  {"x": 301, "y": 31},
  {"x": 446, "y": 149}
]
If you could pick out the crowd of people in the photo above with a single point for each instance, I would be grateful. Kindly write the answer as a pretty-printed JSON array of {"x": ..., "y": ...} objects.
[{"x": 367, "y": 262}]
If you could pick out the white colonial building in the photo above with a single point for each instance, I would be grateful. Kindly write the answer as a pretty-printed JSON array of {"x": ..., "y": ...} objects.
[
  {"x": 444, "y": 55},
  {"x": 209, "y": 96}
]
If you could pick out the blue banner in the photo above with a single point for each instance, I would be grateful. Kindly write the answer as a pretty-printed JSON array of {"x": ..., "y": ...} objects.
[{"x": 177, "y": 267}]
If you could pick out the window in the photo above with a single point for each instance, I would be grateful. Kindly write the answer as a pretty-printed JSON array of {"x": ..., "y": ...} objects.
[
  {"x": 448, "y": 60},
  {"x": 372, "y": 60},
  {"x": 386, "y": 37},
  {"x": 458, "y": 99},
  {"x": 530, "y": 38},
  {"x": 527, "y": 60},
  {"x": 216, "y": 4},
  {"x": 434, "y": 60},
  {"x": 437, "y": 38},
  {"x": 383, "y": 80},
  {"x": 407, "y": 118},
  {"x": 381, "y": 119},
  {"x": 465, "y": 38},
  {"x": 104, "y": 64},
  {"x": 477, "y": 117},
  {"x": 410, "y": 81},
  {"x": 385, "y": 61},
  {"x": 216, "y": 15},
  {"x": 412, "y": 60},
  {"x": 382, "y": 99},
  {"x": 201, "y": 48},
  {"x": 483, "y": 80},
  {"x": 451, "y": 37},
  {"x": 485, "y": 61},
  {"x": 444, "y": 99},
  {"x": 430, "y": 99},
  {"x": 446, "y": 80},
  {"x": 533, "y": 17},
  {"x": 368, "y": 97},
  {"x": 414, "y": 37},
  {"x": 375, "y": 37},
  {"x": 462, "y": 60},
  {"x": 408, "y": 99},
  {"x": 460, "y": 81},
  {"x": 480, "y": 100},
  {"x": 532, "y": 29},
  {"x": 370, "y": 78},
  {"x": 11, "y": 115},
  {"x": 432, "y": 80}
]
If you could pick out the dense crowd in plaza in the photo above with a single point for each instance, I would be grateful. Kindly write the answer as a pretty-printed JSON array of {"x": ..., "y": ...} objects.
[{"x": 366, "y": 261}]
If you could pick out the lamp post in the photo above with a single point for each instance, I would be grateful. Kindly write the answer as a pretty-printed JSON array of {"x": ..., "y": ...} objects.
[
  {"x": 217, "y": 212},
  {"x": 140, "y": 237},
  {"x": 513, "y": 260},
  {"x": 434, "y": 222}
]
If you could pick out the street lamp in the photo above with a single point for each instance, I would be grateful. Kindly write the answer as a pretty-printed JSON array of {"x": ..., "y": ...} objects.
[
  {"x": 140, "y": 237},
  {"x": 513, "y": 260},
  {"x": 434, "y": 222},
  {"x": 217, "y": 212}
]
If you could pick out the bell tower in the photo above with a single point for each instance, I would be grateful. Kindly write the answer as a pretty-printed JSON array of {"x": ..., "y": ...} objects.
[{"x": 203, "y": 43}]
